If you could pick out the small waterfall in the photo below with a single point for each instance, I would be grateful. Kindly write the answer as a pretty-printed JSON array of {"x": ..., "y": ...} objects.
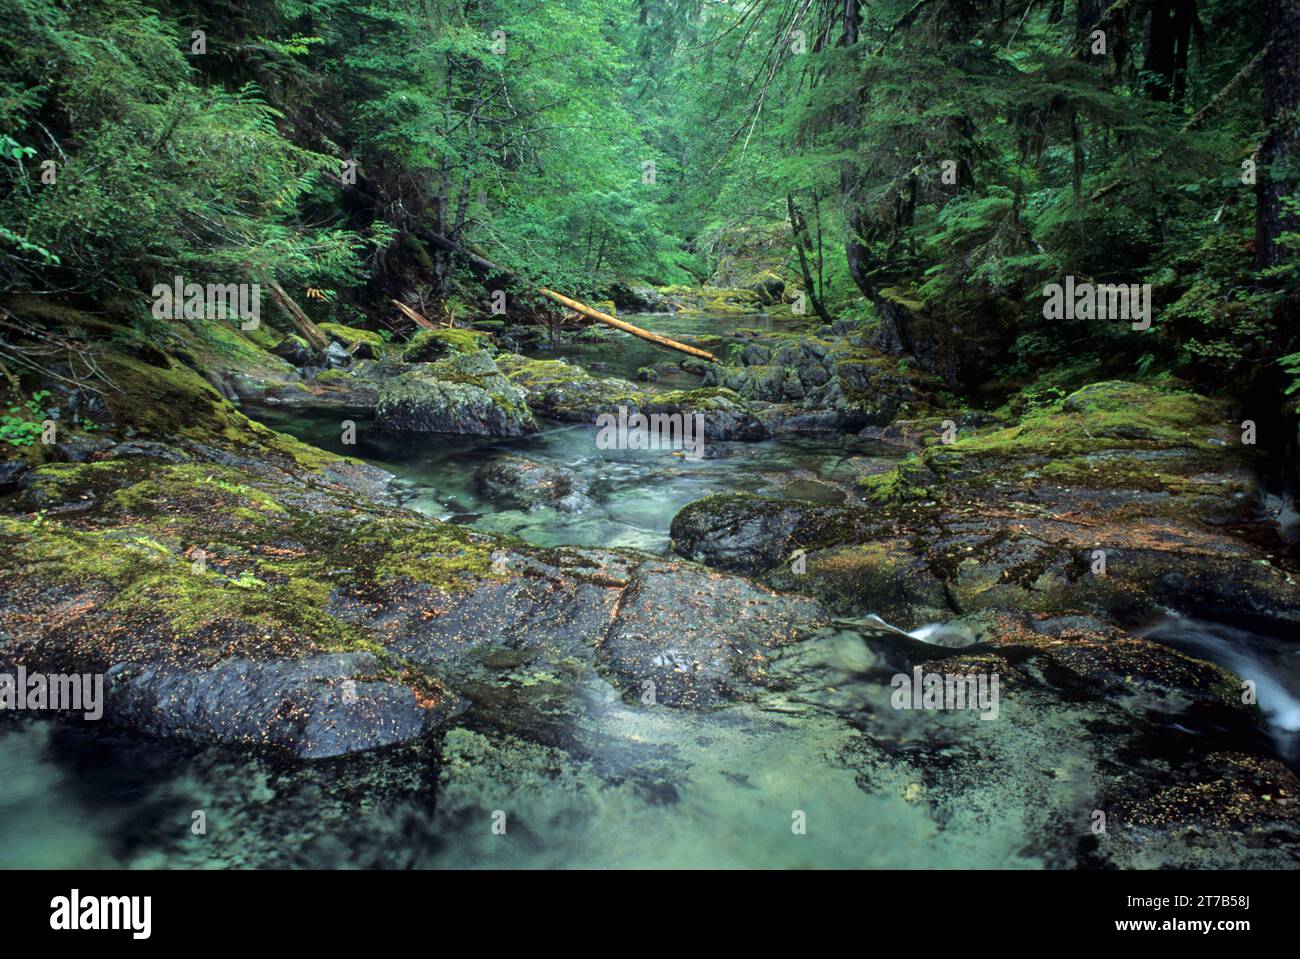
[
  {"x": 1272, "y": 664},
  {"x": 952, "y": 635}
]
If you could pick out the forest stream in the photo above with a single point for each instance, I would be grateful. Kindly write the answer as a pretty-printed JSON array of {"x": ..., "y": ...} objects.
[
  {"x": 593, "y": 779},
  {"x": 650, "y": 434}
]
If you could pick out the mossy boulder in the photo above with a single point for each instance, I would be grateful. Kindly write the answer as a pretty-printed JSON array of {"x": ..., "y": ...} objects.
[
  {"x": 565, "y": 391},
  {"x": 430, "y": 345},
  {"x": 713, "y": 300},
  {"x": 464, "y": 393},
  {"x": 351, "y": 336}
]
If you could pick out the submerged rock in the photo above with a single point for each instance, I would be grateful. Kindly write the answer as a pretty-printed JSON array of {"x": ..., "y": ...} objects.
[
  {"x": 534, "y": 484},
  {"x": 465, "y": 393}
]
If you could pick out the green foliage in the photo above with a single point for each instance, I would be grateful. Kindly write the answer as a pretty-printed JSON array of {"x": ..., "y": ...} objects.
[
  {"x": 20, "y": 424},
  {"x": 973, "y": 148}
]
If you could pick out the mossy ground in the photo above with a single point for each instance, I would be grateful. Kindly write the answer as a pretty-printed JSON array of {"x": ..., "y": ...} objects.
[
  {"x": 1105, "y": 436},
  {"x": 199, "y": 562}
]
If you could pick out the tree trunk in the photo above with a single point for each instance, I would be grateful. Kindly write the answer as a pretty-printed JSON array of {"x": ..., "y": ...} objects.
[
  {"x": 1169, "y": 37},
  {"x": 860, "y": 258},
  {"x": 799, "y": 230},
  {"x": 1282, "y": 144}
]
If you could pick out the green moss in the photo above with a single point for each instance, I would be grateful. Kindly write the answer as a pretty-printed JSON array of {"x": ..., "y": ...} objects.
[
  {"x": 704, "y": 399},
  {"x": 1109, "y": 415},
  {"x": 169, "y": 400},
  {"x": 221, "y": 344},
  {"x": 429, "y": 345},
  {"x": 442, "y": 555},
  {"x": 267, "y": 569},
  {"x": 901, "y": 484},
  {"x": 350, "y": 336},
  {"x": 900, "y": 298},
  {"x": 332, "y": 376},
  {"x": 213, "y": 485}
]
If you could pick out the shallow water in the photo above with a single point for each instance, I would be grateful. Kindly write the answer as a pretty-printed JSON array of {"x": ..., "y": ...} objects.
[
  {"x": 632, "y": 787},
  {"x": 635, "y": 493}
]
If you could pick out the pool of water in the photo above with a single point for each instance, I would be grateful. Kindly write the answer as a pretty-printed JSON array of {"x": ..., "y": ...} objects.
[
  {"x": 634, "y": 493},
  {"x": 631, "y": 787}
]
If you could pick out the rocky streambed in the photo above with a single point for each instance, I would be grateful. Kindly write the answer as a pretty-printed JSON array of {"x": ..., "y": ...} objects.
[{"x": 504, "y": 646}]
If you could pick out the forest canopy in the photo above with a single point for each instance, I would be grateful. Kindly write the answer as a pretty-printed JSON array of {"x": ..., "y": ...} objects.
[{"x": 947, "y": 155}]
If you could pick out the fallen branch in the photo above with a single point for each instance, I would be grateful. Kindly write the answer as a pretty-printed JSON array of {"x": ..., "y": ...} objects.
[
  {"x": 309, "y": 330},
  {"x": 413, "y": 316},
  {"x": 625, "y": 327},
  {"x": 486, "y": 266}
]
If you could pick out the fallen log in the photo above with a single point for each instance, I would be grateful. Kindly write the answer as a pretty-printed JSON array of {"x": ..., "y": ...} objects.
[
  {"x": 309, "y": 330},
  {"x": 413, "y": 316},
  {"x": 618, "y": 324},
  {"x": 486, "y": 266}
]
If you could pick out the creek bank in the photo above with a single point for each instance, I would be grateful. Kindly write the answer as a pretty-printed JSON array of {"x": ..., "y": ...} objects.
[
  {"x": 1122, "y": 501},
  {"x": 232, "y": 601}
]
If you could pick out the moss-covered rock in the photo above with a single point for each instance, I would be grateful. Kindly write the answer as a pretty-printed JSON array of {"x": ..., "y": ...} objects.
[
  {"x": 465, "y": 393},
  {"x": 430, "y": 345},
  {"x": 351, "y": 336},
  {"x": 567, "y": 392}
]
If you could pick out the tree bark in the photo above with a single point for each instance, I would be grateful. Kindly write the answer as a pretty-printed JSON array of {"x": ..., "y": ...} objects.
[
  {"x": 1282, "y": 143},
  {"x": 800, "y": 231},
  {"x": 1168, "y": 39},
  {"x": 860, "y": 258}
]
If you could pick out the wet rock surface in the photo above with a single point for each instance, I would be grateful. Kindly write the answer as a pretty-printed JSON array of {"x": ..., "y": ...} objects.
[
  {"x": 1118, "y": 505},
  {"x": 315, "y": 708}
]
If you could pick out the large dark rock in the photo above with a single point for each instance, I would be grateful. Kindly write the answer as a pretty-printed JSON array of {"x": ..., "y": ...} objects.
[
  {"x": 700, "y": 640},
  {"x": 743, "y": 533},
  {"x": 11, "y": 471},
  {"x": 963, "y": 343},
  {"x": 314, "y": 708},
  {"x": 294, "y": 349}
]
